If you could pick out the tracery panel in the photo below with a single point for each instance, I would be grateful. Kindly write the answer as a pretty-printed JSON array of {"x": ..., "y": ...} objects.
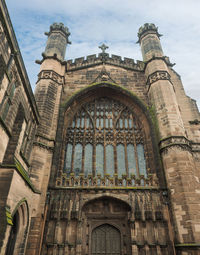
[{"x": 105, "y": 138}]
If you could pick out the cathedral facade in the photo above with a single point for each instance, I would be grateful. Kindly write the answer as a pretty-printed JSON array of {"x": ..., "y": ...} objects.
[{"x": 103, "y": 158}]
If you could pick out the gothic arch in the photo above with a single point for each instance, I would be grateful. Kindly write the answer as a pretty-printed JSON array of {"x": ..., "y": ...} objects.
[
  {"x": 111, "y": 196},
  {"x": 18, "y": 232},
  {"x": 115, "y": 92},
  {"x": 108, "y": 218}
]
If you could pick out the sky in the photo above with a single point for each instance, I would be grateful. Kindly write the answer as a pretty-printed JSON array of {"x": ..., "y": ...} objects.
[{"x": 115, "y": 23}]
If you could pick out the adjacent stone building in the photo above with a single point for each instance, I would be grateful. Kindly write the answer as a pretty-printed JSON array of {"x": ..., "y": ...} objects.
[{"x": 104, "y": 158}]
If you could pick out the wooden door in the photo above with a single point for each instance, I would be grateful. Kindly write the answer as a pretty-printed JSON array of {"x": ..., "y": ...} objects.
[{"x": 106, "y": 240}]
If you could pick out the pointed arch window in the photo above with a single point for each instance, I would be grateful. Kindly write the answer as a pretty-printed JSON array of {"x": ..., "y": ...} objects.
[{"x": 105, "y": 138}]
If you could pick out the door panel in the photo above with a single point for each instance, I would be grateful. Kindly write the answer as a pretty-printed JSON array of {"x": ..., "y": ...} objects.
[{"x": 106, "y": 240}]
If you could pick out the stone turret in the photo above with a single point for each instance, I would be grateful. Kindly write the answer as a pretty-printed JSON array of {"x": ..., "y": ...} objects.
[
  {"x": 47, "y": 94},
  {"x": 150, "y": 42},
  {"x": 174, "y": 145},
  {"x": 57, "y": 41}
]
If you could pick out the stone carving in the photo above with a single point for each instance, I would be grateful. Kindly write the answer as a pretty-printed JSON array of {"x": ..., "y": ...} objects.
[
  {"x": 158, "y": 75},
  {"x": 103, "y": 76},
  {"x": 103, "y": 47},
  {"x": 49, "y": 74},
  {"x": 178, "y": 141},
  {"x": 106, "y": 181}
]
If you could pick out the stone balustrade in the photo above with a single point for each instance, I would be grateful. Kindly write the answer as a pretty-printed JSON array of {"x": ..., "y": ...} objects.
[{"x": 107, "y": 181}]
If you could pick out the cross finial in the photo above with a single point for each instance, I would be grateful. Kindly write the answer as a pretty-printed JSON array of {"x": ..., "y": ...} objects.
[{"x": 103, "y": 47}]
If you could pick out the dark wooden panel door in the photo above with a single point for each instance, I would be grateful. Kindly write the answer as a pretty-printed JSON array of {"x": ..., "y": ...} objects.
[{"x": 106, "y": 240}]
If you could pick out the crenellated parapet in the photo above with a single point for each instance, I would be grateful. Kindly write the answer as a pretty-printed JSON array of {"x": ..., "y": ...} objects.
[
  {"x": 59, "y": 27},
  {"x": 146, "y": 29},
  {"x": 101, "y": 58}
]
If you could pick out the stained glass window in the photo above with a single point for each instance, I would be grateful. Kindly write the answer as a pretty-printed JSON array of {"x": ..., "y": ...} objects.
[
  {"x": 68, "y": 158},
  {"x": 100, "y": 159},
  {"x": 88, "y": 161},
  {"x": 110, "y": 160},
  {"x": 131, "y": 159},
  {"x": 105, "y": 137},
  {"x": 121, "y": 160},
  {"x": 78, "y": 159},
  {"x": 141, "y": 159}
]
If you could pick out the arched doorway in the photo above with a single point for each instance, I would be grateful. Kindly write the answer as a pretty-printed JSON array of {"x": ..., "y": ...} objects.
[
  {"x": 13, "y": 235},
  {"x": 106, "y": 229},
  {"x": 18, "y": 232},
  {"x": 106, "y": 240}
]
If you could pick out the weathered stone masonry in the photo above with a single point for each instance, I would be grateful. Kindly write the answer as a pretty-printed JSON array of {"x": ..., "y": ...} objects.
[{"x": 106, "y": 149}]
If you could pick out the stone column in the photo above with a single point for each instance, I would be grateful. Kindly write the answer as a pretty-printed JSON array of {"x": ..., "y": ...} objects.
[{"x": 175, "y": 148}]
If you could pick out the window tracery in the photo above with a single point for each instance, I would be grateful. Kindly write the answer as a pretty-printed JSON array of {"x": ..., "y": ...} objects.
[{"x": 105, "y": 138}]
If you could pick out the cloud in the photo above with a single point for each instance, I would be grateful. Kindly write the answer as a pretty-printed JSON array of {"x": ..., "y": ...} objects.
[{"x": 115, "y": 22}]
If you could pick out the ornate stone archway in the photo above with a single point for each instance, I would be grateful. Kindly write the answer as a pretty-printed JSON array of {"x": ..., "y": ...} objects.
[{"x": 106, "y": 223}]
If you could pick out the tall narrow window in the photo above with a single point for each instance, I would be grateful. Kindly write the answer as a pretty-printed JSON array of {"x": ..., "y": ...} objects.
[
  {"x": 131, "y": 159},
  {"x": 78, "y": 159},
  {"x": 100, "y": 159},
  {"x": 68, "y": 158},
  {"x": 141, "y": 160},
  {"x": 110, "y": 160},
  {"x": 121, "y": 160},
  {"x": 88, "y": 160}
]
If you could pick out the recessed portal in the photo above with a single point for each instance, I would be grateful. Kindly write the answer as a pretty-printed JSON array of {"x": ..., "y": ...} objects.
[{"x": 106, "y": 240}]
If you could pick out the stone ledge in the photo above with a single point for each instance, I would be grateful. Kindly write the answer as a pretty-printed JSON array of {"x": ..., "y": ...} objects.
[
  {"x": 138, "y": 188},
  {"x": 17, "y": 166},
  {"x": 187, "y": 245},
  {"x": 44, "y": 146},
  {"x": 195, "y": 147}
]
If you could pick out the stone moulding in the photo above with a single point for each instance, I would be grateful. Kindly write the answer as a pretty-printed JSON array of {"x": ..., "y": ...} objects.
[
  {"x": 44, "y": 146},
  {"x": 187, "y": 245},
  {"x": 156, "y": 76},
  {"x": 175, "y": 141},
  {"x": 195, "y": 147},
  {"x": 52, "y": 75},
  {"x": 23, "y": 173}
]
